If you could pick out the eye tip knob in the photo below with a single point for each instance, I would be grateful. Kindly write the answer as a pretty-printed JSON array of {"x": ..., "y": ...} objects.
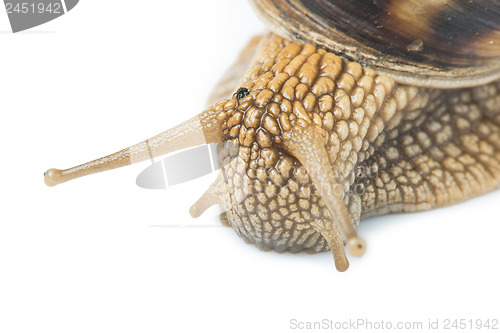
[{"x": 52, "y": 177}]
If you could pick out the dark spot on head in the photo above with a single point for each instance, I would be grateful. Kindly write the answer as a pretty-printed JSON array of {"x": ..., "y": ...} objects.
[
  {"x": 296, "y": 36},
  {"x": 241, "y": 93}
]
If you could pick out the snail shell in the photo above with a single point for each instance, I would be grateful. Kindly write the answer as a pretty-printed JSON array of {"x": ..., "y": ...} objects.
[{"x": 445, "y": 44}]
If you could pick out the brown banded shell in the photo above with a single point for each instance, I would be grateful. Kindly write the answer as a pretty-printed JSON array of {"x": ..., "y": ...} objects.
[{"x": 433, "y": 43}]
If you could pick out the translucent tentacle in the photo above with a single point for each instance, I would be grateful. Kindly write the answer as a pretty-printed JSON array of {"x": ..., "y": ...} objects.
[
  {"x": 204, "y": 128},
  {"x": 335, "y": 242},
  {"x": 307, "y": 144},
  {"x": 208, "y": 199}
]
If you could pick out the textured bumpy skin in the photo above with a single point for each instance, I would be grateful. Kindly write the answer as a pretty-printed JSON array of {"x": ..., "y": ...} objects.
[
  {"x": 393, "y": 148},
  {"x": 319, "y": 143}
]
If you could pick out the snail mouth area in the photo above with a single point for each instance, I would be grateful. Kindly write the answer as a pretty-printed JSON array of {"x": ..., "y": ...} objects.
[
  {"x": 280, "y": 236},
  {"x": 271, "y": 207}
]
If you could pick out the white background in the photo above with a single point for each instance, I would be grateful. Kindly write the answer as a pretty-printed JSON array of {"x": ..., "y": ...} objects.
[{"x": 94, "y": 255}]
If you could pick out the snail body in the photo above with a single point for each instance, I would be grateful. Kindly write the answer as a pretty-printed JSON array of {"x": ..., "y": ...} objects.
[{"x": 312, "y": 140}]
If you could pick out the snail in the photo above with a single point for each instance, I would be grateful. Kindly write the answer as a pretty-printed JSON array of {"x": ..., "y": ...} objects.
[{"x": 345, "y": 110}]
